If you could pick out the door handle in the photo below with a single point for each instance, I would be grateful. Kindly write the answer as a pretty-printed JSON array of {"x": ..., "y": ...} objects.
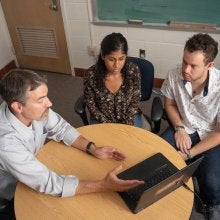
[{"x": 54, "y": 5}]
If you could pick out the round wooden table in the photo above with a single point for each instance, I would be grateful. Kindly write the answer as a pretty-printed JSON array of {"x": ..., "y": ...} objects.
[{"x": 137, "y": 144}]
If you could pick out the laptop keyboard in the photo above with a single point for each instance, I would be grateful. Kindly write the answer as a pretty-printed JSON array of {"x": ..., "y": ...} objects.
[{"x": 158, "y": 176}]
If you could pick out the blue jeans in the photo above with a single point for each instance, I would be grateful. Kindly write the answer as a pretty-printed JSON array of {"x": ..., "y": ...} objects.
[
  {"x": 137, "y": 120},
  {"x": 208, "y": 173}
]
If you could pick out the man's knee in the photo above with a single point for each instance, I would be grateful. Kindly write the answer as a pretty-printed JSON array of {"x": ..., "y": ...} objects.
[
  {"x": 212, "y": 184},
  {"x": 209, "y": 176}
]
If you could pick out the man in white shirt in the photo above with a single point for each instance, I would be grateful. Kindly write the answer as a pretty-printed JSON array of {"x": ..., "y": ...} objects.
[
  {"x": 26, "y": 120},
  {"x": 192, "y": 104}
]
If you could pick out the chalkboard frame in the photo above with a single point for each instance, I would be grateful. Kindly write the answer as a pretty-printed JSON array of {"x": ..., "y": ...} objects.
[{"x": 190, "y": 25}]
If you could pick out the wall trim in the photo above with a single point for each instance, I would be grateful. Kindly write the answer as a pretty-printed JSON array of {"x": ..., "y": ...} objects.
[
  {"x": 80, "y": 72},
  {"x": 6, "y": 68},
  {"x": 158, "y": 82}
]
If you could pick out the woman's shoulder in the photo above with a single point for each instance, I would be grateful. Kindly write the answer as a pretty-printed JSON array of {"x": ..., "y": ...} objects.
[
  {"x": 132, "y": 68},
  {"x": 131, "y": 64}
]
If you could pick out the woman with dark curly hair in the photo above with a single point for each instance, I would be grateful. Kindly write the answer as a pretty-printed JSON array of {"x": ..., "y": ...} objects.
[{"x": 112, "y": 86}]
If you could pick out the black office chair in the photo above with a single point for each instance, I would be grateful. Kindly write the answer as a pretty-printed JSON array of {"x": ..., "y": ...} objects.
[{"x": 147, "y": 80}]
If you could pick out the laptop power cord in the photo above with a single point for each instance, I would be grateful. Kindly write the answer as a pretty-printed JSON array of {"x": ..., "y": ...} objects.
[{"x": 204, "y": 206}]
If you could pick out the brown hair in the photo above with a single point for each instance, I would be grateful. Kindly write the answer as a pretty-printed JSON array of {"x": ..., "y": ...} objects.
[
  {"x": 15, "y": 83},
  {"x": 204, "y": 43}
]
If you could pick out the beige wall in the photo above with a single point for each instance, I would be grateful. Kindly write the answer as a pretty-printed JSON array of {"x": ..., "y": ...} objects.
[
  {"x": 163, "y": 47},
  {"x": 6, "y": 50}
]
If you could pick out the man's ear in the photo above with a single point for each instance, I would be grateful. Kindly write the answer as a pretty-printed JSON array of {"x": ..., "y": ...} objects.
[
  {"x": 210, "y": 65},
  {"x": 17, "y": 107}
]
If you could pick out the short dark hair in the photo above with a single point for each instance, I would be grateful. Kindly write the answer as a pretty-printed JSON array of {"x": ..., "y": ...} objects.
[
  {"x": 14, "y": 85},
  {"x": 204, "y": 43}
]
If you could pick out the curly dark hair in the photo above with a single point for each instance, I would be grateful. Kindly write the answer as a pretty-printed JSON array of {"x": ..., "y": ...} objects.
[
  {"x": 14, "y": 85},
  {"x": 112, "y": 42},
  {"x": 205, "y": 43}
]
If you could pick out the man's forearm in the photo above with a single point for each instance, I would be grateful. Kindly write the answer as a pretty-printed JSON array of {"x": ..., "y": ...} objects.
[
  {"x": 173, "y": 115},
  {"x": 211, "y": 141},
  {"x": 90, "y": 187},
  {"x": 81, "y": 143},
  {"x": 172, "y": 111}
]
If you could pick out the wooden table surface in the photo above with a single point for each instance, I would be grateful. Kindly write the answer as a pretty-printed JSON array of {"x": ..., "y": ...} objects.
[{"x": 137, "y": 144}]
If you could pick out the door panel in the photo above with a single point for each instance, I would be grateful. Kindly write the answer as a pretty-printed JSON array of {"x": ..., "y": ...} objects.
[{"x": 37, "y": 32}]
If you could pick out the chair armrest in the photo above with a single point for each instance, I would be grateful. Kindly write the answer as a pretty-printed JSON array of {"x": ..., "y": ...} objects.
[
  {"x": 157, "y": 109},
  {"x": 156, "y": 114},
  {"x": 80, "y": 105},
  {"x": 80, "y": 109}
]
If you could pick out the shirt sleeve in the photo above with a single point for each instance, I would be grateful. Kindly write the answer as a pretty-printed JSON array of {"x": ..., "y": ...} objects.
[
  {"x": 25, "y": 167},
  {"x": 166, "y": 88},
  {"x": 60, "y": 130}
]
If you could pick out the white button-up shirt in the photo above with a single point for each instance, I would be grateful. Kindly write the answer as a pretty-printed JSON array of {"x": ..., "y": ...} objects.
[
  {"x": 200, "y": 113},
  {"x": 18, "y": 146}
]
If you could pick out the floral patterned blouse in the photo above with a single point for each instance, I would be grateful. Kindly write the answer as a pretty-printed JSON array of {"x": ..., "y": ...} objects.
[{"x": 119, "y": 107}]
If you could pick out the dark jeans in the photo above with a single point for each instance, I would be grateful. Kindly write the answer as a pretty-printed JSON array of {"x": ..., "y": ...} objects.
[
  {"x": 208, "y": 173},
  {"x": 7, "y": 210}
]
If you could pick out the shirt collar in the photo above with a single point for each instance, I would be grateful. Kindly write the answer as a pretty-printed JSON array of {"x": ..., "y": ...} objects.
[
  {"x": 206, "y": 88},
  {"x": 21, "y": 128}
]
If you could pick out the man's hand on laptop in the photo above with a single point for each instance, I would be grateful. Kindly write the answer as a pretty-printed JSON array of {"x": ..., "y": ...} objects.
[{"x": 112, "y": 182}]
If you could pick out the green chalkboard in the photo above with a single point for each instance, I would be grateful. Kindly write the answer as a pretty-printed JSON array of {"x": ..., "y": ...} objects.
[{"x": 159, "y": 11}]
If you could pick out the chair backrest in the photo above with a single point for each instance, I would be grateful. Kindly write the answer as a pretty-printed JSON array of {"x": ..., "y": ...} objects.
[{"x": 147, "y": 76}]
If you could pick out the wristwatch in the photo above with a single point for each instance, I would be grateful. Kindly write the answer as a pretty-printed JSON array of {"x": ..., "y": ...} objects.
[
  {"x": 189, "y": 155},
  {"x": 178, "y": 127}
]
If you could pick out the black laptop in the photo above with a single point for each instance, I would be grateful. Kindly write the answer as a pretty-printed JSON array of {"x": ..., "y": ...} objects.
[{"x": 160, "y": 176}]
